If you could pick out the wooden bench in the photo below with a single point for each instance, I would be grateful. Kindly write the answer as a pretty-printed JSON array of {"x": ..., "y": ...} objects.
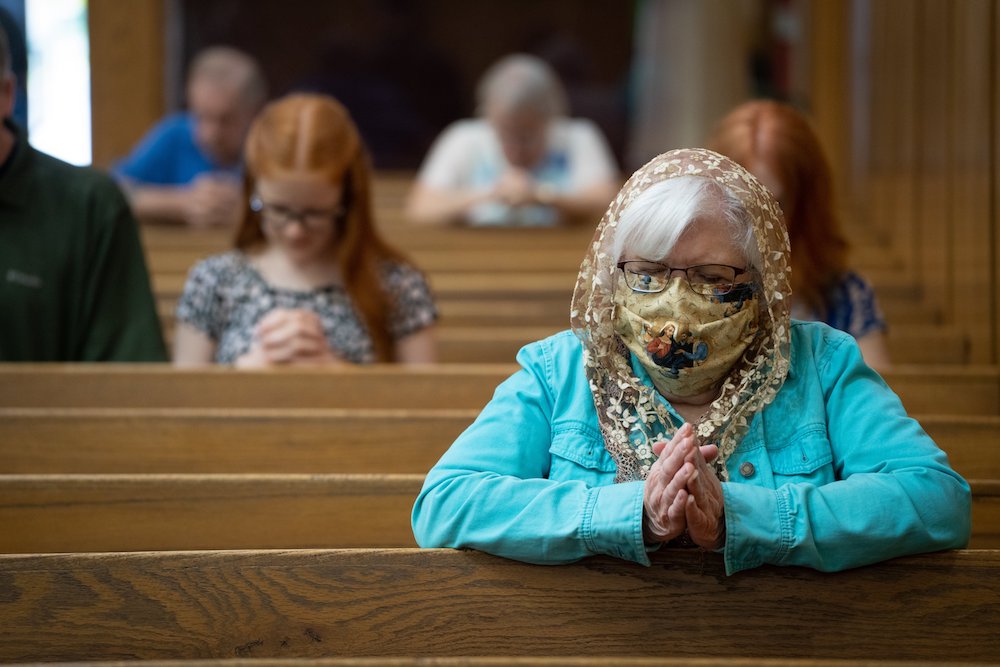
[
  {"x": 519, "y": 661},
  {"x": 294, "y": 440},
  {"x": 476, "y": 333},
  {"x": 160, "y": 385},
  {"x": 564, "y": 258},
  {"x": 924, "y": 389},
  {"x": 497, "y": 344},
  {"x": 226, "y": 440},
  {"x": 70, "y": 513},
  {"x": 527, "y": 283},
  {"x": 408, "y": 238},
  {"x": 424, "y": 603},
  {"x": 56, "y": 513}
]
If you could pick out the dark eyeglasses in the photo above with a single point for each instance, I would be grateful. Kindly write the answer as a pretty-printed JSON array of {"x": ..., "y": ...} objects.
[
  {"x": 278, "y": 217},
  {"x": 707, "y": 279}
]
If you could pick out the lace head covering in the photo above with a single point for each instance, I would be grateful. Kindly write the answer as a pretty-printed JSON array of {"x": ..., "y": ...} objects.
[{"x": 631, "y": 416}]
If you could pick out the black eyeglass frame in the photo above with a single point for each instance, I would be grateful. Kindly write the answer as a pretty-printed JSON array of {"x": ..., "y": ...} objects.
[
  {"x": 260, "y": 207},
  {"x": 669, "y": 271}
]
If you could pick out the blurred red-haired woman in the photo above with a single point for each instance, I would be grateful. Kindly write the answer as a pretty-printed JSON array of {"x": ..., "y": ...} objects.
[
  {"x": 777, "y": 145},
  {"x": 310, "y": 280}
]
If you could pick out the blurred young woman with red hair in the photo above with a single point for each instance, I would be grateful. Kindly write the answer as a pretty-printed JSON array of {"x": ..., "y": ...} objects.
[
  {"x": 776, "y": 144},
  {"x": 310, "y": 281}
]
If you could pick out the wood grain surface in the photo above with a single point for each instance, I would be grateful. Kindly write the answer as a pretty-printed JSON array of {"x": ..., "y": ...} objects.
[{"x": 450, "y": 603}]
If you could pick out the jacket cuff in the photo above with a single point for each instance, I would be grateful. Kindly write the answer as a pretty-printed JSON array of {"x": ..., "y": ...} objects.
[
  {"x": 612, "y": 521},
  {"x": 758, "y": 526}
]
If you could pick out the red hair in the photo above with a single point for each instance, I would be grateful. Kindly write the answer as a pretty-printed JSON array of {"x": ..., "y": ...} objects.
[
  {"x": 774, "y": 136},
  {"x": 315, "y": 134}
]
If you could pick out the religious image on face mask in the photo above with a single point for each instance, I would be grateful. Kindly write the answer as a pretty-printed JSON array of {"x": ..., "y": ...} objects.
[{"x": 672, "y": 354}]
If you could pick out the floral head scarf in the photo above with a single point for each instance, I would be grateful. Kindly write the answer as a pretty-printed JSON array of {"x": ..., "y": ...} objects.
[{"x": 631, "y": 416}]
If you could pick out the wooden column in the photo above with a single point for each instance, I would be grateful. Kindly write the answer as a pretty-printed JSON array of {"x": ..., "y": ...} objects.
[
  {"x": 995, "y": 167},
  {"x": 828, "y": 29},
  {"x": 126, "y": 60},
  {"x": 933, "y": 159},
  {"x": 971, "y": 214}
]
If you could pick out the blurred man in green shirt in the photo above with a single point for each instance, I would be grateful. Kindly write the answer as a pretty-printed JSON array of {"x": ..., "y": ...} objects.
[{"x": 73, "y": 281}]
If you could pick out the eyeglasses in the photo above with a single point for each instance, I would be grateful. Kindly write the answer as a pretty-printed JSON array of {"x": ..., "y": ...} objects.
[
  {"x": 707, "y": 279},
  {"x": 278, "y": 217}
]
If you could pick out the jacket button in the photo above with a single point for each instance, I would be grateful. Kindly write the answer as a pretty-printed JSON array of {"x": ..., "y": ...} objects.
[{"x": 747, "y": 469}]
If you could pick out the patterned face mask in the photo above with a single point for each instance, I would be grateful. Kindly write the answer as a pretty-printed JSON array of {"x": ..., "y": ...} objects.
[{"x": 686, "y": 341}]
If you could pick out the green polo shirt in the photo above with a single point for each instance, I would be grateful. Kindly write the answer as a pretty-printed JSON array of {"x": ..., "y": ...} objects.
[{"x": 73, "y": 281}]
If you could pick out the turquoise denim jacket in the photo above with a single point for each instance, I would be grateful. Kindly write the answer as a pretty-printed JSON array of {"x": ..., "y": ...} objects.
[{"x": 840, "y": 476}]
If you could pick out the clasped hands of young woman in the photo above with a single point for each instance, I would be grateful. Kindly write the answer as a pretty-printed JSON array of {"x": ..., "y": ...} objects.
[{"x": 288, "y": 336}]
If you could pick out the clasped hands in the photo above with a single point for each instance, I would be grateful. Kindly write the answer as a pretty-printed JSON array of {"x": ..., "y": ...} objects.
[
  {"x": 516, "y": 187},
  {"x": 683, "y": 493},
  {"x": 213, "y": 201},
  {"x": 288, "y": 336}
]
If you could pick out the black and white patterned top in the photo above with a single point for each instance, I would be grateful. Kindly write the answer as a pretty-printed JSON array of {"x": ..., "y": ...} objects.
[{"x": 225, "y": 297}]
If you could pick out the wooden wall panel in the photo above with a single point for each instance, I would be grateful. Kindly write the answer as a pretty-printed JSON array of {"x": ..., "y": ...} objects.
[
  {"x": 924, "y": 85},
  {"x": 932, "y": 154},
  {"x": 970, "y": 212},
  {"x": 893, "y": 130},
  {"x": 995, "y": 167},
  {"x": 830, "y": 89},
  {"x": 126, "y": 60}
]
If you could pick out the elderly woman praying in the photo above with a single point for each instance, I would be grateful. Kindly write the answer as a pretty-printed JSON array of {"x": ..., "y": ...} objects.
[{"x": 685, "y": 407}]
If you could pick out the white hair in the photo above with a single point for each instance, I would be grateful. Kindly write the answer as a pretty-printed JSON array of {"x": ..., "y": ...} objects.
[
  {"x": 518, "y": 82},
  {"x": 226, "y": 66},
  {"x": 654, "y": 222}
]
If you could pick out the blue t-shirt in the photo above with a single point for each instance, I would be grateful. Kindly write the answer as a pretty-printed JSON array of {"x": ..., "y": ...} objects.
[{"x": 168, "y": 155}]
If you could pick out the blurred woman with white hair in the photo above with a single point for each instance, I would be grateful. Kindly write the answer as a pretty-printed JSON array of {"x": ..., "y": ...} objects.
[{"x": 523, "y": 162}]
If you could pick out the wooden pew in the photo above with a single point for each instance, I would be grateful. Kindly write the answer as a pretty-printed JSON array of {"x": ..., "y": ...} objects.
[
  {"x": 523, "y": 285},
  {"x": 562, "y": 258},
  {"x": 915, "y": 344},
  {"x": 408, "y": 238},
  {"x": 73, "y": 513},
  {"x": 434, "y": 251},
  {"x": 924, "y": 389},
  {"x": 519, "y": 661},
  {"x": 160, "y": 385},
  {"x": 358, "y": 440},
  {"x": 485, "y": 343},
  {"x": 496, "y": 344},
  {"x": 554, "y": 313},
  {"x": 226, "y": 440},
  {"x": 70, "y": 513},
  {"x": 526, "y": 283},
  {"x": 424, "y": 603}
]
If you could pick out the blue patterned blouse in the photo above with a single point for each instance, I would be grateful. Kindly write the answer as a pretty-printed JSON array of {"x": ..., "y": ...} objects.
[{"x": 851, "y": 306}]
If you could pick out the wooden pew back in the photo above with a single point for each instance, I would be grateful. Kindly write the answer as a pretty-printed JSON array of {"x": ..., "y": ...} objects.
[
  {"x": 160, "y": 385},
  {"x": 417, "y": 603},
  {"x": 55, "y": 513},
  {"x": 359, "y": 440},
  {"x": 72, "y": 513},
  {"x": 965, "y": 390}
]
